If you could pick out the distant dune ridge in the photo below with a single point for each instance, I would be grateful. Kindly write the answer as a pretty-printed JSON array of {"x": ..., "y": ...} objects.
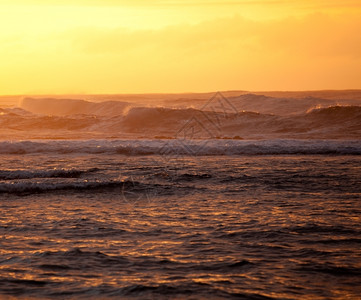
[{"x": 252, "y": 116}]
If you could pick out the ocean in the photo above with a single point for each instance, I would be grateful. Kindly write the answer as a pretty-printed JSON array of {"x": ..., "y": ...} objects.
[{"x": 180, "y": 203}]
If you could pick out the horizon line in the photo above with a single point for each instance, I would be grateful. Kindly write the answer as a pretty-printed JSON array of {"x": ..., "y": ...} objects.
[{"x": 178, "y": 93}]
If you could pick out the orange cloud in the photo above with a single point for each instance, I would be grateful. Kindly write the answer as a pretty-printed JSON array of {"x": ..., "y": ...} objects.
[{"x": 313, "y": 51}]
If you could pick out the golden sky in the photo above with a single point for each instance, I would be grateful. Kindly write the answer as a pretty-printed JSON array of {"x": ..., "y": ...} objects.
[{"x": 138, "y": 46}]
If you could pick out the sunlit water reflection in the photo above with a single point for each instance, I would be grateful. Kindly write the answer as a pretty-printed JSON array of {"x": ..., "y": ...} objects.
[{"x": 207, "y": 227}]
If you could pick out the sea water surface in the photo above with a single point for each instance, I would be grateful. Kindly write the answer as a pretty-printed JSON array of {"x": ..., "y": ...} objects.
[{"x": 144, "y": 220}]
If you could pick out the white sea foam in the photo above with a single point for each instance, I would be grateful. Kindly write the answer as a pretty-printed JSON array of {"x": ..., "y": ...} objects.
[{"x": 171, "y": 148}]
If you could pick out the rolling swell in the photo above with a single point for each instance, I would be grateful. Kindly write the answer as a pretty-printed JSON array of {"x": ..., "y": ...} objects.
[
  {"x": 57, "y": 173},
  {"x": 48, "y": 186},
  {"x": 62, "y": 107}
]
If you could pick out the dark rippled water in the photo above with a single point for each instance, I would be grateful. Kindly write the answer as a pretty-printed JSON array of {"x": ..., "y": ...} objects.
[{"x": 217, "y": 227}]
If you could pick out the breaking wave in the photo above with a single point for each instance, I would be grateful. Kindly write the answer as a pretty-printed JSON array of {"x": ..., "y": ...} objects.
[
  {"x": 343, "y": 112},
  {"x": 246, "y": 117},
  {"x": 176, "y": 148}
]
